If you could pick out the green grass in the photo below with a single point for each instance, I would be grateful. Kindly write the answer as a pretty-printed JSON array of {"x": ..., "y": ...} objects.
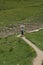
[
  {"x": 15, "y": 51},
  {"x": 36, "y": 38},
  {"x": 16, "y": 11}
]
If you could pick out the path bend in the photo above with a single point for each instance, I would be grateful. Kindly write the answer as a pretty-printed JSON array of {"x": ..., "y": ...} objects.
[{"x": 39, "y": 58}]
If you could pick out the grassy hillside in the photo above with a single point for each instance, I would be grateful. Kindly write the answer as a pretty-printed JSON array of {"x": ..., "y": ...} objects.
[
  {"x": 14, "y": 51},
  {"x": 12, "y": 11},
  {"x": 36, "y": 38}
]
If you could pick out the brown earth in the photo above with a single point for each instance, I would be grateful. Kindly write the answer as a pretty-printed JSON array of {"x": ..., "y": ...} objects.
[{"x": 15, "y": 28}]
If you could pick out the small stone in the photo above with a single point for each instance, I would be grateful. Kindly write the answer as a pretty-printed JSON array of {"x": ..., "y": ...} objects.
[{"x": 17, "y": 64}]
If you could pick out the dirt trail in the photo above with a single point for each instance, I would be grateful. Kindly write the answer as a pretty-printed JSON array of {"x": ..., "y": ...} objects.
[
  {"x": 38, "y": 60},
  {"x": 2, "y": 35},
  {"x": 34, "y": 30}
]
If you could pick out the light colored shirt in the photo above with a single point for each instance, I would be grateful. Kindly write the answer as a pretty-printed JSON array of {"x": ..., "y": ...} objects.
[{"x": 22, "y": 27}]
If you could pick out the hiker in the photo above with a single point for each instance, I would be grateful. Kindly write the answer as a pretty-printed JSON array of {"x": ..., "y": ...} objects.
[{"x": 22, "y": 29}]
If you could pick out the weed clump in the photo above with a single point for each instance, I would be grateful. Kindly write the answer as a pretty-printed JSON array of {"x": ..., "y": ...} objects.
[
  {"x": 11, "y": 49},
  {"x": 42, "y": 63}
]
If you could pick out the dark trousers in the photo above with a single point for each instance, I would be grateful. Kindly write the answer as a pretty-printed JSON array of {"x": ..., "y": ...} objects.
[{"x": 22, "y": 32}]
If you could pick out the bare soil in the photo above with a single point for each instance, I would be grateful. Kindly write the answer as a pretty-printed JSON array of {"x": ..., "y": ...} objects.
[{"x": 15, "y": 28}]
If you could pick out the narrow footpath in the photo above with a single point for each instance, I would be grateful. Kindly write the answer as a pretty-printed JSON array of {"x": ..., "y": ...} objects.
[{"x": 39, "y": 58}]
